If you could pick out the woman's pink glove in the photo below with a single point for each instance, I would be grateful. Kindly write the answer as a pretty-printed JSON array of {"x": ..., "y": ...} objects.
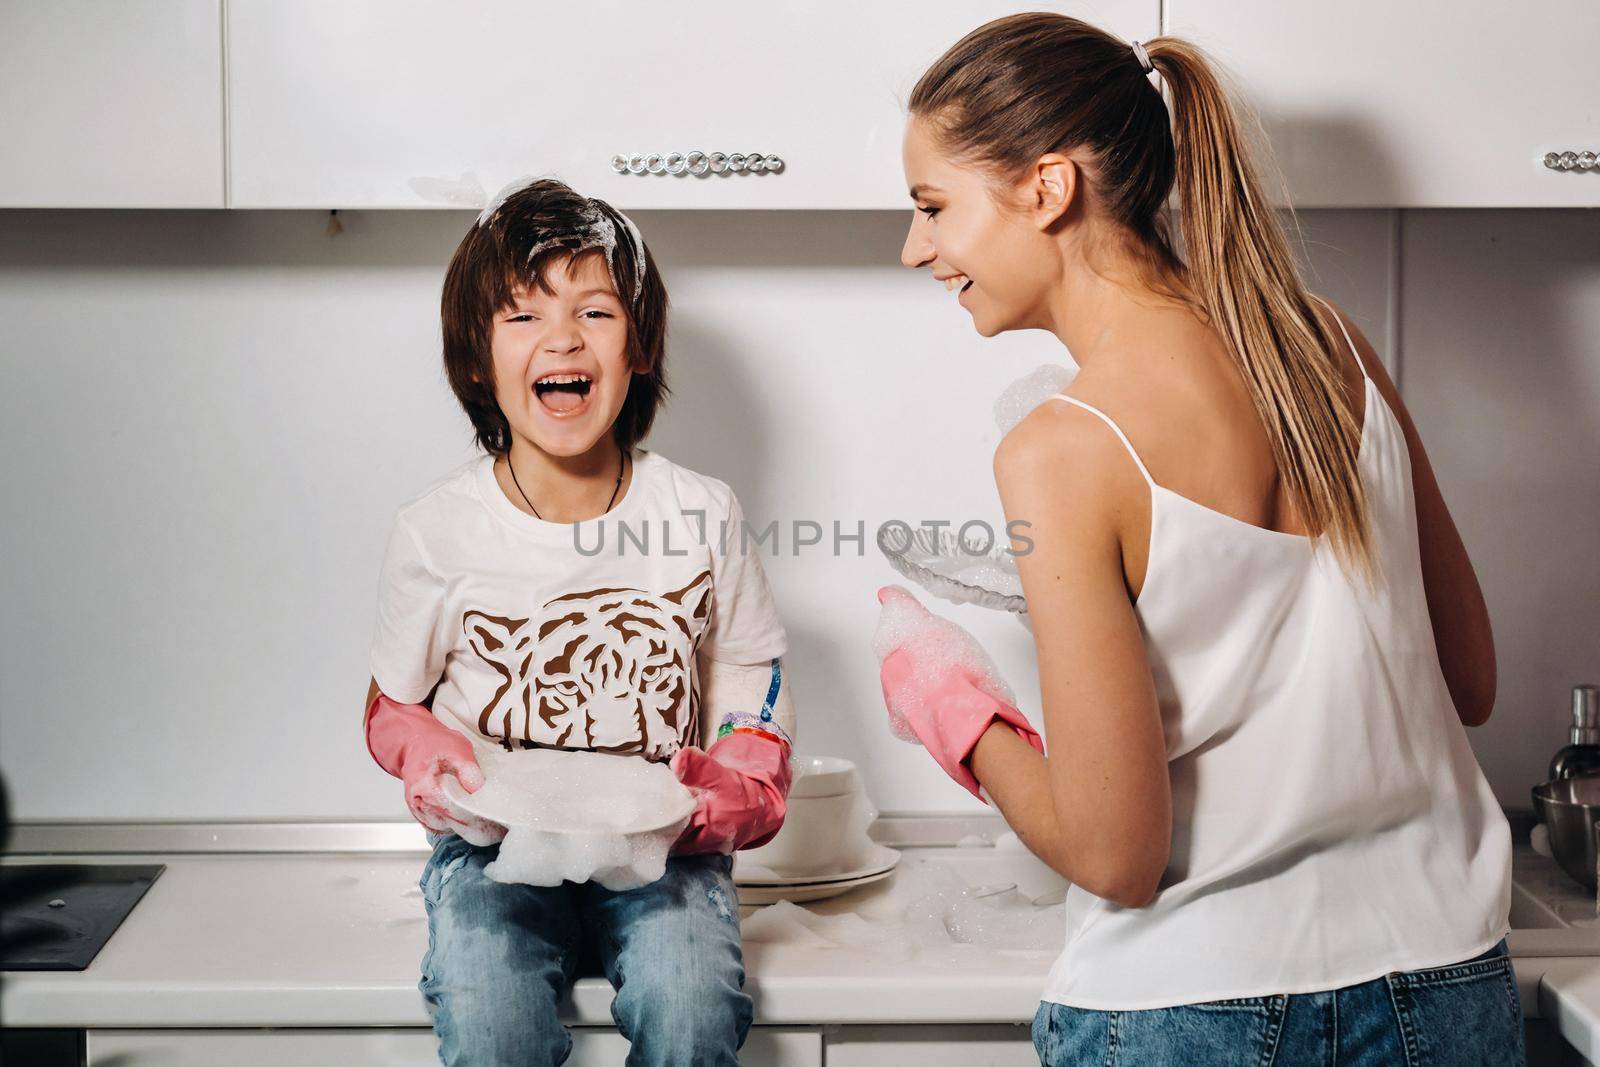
[
  {"x": 940, "y": 687},
  {"x": 742, "y": 788},
  {"x": 408, "y": 742}
]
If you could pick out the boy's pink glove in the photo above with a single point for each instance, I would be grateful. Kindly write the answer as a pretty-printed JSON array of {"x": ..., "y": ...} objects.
[
  {"x": 742, "y": 788},
  {"x": 408, "y": 742},
  {"x": 940, "y": 687}
]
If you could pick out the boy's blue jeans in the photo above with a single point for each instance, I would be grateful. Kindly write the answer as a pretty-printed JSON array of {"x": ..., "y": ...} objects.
[
  {"x": 1458, "y": 1015},
  {"x": 500, "y": 957}
]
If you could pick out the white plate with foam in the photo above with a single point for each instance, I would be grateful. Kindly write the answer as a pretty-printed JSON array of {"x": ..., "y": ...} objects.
[
  {"x": 878, "y": 863},
  {"x": 563, "y": 791}
]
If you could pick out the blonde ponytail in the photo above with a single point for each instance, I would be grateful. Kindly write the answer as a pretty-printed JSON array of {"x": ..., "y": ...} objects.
[
  {"x": 1025, "y": 85},
  {"x": 1240, "y": 268}
]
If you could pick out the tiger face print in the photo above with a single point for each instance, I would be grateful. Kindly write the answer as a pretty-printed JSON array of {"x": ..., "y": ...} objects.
[{"x": 610, "y": 670}]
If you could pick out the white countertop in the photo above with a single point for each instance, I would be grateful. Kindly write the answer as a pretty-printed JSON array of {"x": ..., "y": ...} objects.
[
  {"x": 1569, "y": 996},
  {"x": 1568, "y": 983},
  {"x": 336, "y": 939}
]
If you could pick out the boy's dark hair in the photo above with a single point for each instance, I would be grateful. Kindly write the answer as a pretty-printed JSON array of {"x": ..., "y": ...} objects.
[{"x": 493, "y": 261}]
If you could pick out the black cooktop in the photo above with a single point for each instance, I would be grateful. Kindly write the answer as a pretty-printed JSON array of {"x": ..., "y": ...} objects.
[{"x": 57, "y": 917}]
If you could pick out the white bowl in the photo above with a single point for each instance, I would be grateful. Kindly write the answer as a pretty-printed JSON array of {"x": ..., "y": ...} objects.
[
  {"x": 824, "y": 776},
  {"x": 825, "y": 830}
]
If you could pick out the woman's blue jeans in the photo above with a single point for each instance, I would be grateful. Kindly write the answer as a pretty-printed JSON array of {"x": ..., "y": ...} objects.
[
  {"x": 501, "y": 956},
  {"x": 1464, "y": 1013}
]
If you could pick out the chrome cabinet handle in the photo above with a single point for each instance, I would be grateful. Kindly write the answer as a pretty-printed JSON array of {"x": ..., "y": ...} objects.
[
  {"x": 695, "y": 163},
  {"x": 1570, "y": 160}
]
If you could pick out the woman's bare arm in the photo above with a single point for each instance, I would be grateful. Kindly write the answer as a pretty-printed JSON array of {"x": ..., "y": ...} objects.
[
  {"x": 1099, "y": 809},
  {"x": 1456, "y": 606}
]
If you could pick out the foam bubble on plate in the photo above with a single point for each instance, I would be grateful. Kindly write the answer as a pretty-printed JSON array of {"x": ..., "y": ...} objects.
[{"x": 579, "y": 816}]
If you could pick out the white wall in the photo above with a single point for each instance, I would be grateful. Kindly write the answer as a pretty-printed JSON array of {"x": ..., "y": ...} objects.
[{"x": 210, "y": 417}]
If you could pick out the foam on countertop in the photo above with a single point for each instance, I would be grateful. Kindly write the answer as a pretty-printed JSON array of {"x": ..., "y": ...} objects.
[{"x": 926, "y": 912}]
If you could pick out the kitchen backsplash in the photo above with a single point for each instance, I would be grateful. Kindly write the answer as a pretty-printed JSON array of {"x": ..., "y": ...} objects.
[{"x": 211, "y": 417}]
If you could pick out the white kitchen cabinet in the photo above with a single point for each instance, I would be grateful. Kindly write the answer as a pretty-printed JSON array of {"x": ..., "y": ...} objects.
[
  {"x": 401, "y": 1047},
  {"x": 1442, "y": 103},
  {"x": 384, "y": 104},
  {"x": 111, "y": 104}
]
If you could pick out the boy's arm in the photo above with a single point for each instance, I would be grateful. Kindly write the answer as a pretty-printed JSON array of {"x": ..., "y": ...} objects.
[
  {"x": 390, "y": 726},
  {"x": 761, "y": 690},
  {"x": 742, "y": 776},
  {"x": 372, "y": 692},
  {"x": 413, "y": 746}
]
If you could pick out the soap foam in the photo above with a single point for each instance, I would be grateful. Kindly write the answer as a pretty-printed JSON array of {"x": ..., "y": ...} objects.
[
  {"x": 595, "y": 230},
  {"x": 465, "y": 191},
  {"x": 1028, "y": 392},
  {"x": 926, "y": 913},
  {"x": 580, "y": 816},
  {"x": 936, "y": 646}
]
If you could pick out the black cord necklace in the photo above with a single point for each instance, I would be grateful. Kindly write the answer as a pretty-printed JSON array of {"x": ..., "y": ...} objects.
[{"x": 621, "y": 459}]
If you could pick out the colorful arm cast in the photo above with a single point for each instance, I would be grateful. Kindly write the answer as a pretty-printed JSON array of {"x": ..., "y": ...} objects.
[
  {"x": 940, "y": 687},
  {"x": 741, "y": 780}
]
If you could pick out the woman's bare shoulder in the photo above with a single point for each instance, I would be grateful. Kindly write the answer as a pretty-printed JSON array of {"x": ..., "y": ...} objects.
[
  {"x": 1062, "y": 460},
  {"x": 1057, "y": 434}
]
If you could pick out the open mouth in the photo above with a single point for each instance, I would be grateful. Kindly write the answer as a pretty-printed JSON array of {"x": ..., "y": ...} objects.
[
  {"x": 563, "y": 394},
  {"x": 957, "y": 284}
]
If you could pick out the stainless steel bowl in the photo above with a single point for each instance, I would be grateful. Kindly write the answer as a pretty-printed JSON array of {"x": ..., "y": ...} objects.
[{"x": 1570, "y": 807}]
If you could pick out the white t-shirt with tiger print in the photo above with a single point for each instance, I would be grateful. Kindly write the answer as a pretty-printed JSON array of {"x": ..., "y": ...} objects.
[{"x": 577, "y": 635}]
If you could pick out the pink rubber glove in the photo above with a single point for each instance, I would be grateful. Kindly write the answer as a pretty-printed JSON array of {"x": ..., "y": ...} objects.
[
  {"x": 940, "y": 687},
  {"x": 408, "y": 742},
  {"x": 742, "y": 788}
]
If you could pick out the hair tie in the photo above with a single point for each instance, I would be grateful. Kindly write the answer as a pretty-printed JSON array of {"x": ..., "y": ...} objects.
[{"x": 1143, "y": 57}]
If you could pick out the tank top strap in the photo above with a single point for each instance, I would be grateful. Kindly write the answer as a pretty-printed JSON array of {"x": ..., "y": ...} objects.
[
  {"x": 1137, "y": 462},
  {"x": 1354, "y": 351}
]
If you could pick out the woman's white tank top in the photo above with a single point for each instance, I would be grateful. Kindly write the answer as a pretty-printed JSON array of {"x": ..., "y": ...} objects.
[{"x": 1330, "y": 823}]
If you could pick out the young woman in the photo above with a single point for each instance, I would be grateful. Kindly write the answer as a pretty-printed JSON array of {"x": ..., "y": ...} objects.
[{"x": 1259, "y": 635}]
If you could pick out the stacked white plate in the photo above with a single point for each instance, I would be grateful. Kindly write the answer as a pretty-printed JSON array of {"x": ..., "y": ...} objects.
[
  {"x": 767, "y": 885},
  {"x": 823, "y": 849}
]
